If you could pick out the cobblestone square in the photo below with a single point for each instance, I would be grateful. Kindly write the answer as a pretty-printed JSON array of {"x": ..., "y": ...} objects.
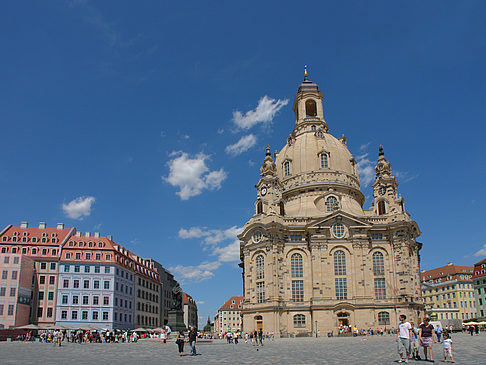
[{"x": 363, "y": 350}]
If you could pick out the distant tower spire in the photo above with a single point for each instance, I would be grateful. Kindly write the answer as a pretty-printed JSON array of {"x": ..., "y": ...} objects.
[
  {"x": 305, "y": 73},
  {"x": 268, "y": 151}
]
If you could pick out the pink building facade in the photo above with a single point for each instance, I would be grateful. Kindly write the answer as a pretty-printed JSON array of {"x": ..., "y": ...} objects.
[{"x": 16, "y": 290}]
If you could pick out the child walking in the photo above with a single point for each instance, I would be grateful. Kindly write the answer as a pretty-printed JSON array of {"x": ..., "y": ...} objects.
[{"x": 448, "y": 347}]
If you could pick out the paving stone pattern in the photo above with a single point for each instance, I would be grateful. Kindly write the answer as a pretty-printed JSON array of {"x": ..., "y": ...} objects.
[{"x": 348, "y": 350}]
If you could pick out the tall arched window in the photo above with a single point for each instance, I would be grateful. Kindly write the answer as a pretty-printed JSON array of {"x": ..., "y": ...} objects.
[
  {"x": 340, "y": 282},
  {"x": 339, "y": 263},
  {"x": 324, "y": 160},
  {"x": 286, "y": 168},
  {"x": 282, "y": 208},
  {"x": 378, "y": 264},
  {"x": 381, "y": 208},
  {"x": 260, "y": 267},
  {"x": 297, "y": 271},
  {"x": 379, "y": 270},
  {"x": 310, "y": 108},
  {"x": 297, "y": 265},
  {"x": 332, "y": 204}
]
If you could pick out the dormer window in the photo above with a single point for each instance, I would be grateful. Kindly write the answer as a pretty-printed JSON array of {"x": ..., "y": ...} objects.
[
  {"x": 332, "y": 204},
  {"x": 34, "y": 239},
  {"x": 324, "y": 160},
  {"x": 286, "y": 168},
  {"x": 5, "y": 238}
]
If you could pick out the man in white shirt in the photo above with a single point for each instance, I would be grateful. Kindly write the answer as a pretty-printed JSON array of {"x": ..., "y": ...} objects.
[{"x": 403, "y": 338}]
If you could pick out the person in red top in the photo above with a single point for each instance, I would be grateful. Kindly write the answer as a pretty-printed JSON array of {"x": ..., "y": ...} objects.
[{"x": 427, "y": 337}]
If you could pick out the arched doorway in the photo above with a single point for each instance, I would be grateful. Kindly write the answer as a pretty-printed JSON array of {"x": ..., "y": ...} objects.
[
  {"x": 343, "y": 319},
  {"x": 259, "y": 323}
]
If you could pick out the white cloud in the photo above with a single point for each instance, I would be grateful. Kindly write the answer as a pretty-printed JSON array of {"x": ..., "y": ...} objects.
[
  {"x": 211, "y": 236},
  {"x": 482, "y": 251},
  {"x": 197, "y": 273},
  {"x": 265, "y": 111},
  {"x": 228, "y": 253},
  {"x": 365, "y": 169},
  {"x": 79, "y": 207},
  {"x": 201, "y": 302},
  {"x": 191, "y": 175},
  {"x": 364, "y": 146},
  {"x": 405, "y": 176},
  {"x": 244, "y": 144}
]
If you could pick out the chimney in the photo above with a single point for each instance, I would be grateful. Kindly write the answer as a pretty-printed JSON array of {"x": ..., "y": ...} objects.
[
  {"x": 87, "y": 234},
  {"x": 110, "y": 237},
  {"x": 24, "y": 225},
  {"x": 97, "y": 235},
  {"x": 60, "y": 226},
  {"x": 42, "y": 225},
  {"x": 78, "y": 234}
]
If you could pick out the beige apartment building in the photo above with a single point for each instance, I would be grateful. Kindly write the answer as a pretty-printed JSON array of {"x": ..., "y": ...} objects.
[
  {"x": 313, "y": 258},
  {"x": 449, "y": 294},
  {"x": 229, "y": 317}
]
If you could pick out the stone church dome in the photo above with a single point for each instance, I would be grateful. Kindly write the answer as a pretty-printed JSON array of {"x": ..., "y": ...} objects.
[{"x": 314, "y": 164}]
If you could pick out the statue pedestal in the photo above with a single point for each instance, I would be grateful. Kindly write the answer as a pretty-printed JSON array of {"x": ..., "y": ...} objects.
[{"x": 176, "y": 320}]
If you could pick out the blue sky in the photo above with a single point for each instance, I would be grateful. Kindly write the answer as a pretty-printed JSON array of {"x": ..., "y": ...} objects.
[{"x": 148, "y": 120}]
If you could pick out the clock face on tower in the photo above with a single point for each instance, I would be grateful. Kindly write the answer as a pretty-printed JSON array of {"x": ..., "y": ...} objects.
[
  {"x": 382, "y": 190},
  {"x": 264, "y": 191}
]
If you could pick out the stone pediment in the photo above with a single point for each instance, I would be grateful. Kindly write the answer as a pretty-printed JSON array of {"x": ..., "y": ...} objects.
[{"x": 340, "y": 216}]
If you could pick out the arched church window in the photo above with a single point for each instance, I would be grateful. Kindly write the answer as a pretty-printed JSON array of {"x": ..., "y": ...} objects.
[
  {"x": 383, "y": 318},
  {"x": 282, "y": 208},
  {"x": 260, "y": 267},
  {"x": 313, "y": 128},
  {"x": 381, "y": 208},
  {"x": 378, "y": 264},
  {"x": 324, "y": 159},
  {"x": 310, "y": 108},
  {"x": 297, "y": 265},
  {"x": 286, "y": 168},
  {"x": 299, "y": 321},
  {"x": 332, "y": 204},
  {"x": 259, "y": 208},
  {"x": 339, "y": 263}
]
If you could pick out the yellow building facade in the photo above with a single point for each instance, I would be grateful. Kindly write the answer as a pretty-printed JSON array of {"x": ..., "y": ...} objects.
[{"x": 449, "y": 294}]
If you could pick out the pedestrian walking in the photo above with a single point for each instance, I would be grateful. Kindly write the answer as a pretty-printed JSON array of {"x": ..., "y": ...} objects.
[
  {"x": 438, "y": 332},
  {"x": 163, "y": 336},
  {"x": 403, "y": 338},
  {"x": 180, "y": 342},
  {"x": 415, "y": 342},
  {"x": 426, "y": 336},
  {"x": 260, "y": 337},
  {"x": 448, "y": 347},
  {"x": 192, "y": 339}
]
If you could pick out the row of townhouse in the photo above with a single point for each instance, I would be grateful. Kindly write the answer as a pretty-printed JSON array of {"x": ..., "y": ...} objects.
[
  {"x": 61, "y": 276},
  {"x": 453, "y": 294}
]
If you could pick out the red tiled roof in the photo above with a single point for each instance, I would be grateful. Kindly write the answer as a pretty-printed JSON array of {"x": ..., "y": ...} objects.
[
  {"x": 480, "y": 269},
  {"x": 187, "y": 298},
  {"x": 36, "y": 232},
  {"x": 445, "y": 271},
  {"x": 238, "y": 301}
]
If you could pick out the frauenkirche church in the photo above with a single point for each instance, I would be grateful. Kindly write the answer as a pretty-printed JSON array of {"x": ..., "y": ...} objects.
[{"x": 312, "y": 257}]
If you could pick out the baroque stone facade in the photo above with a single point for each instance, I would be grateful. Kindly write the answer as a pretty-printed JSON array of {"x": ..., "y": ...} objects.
[{"x": 312, "y": 257}]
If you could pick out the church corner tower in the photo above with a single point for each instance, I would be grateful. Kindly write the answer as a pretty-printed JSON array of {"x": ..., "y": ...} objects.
[{"x": 313, "y": 258}]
